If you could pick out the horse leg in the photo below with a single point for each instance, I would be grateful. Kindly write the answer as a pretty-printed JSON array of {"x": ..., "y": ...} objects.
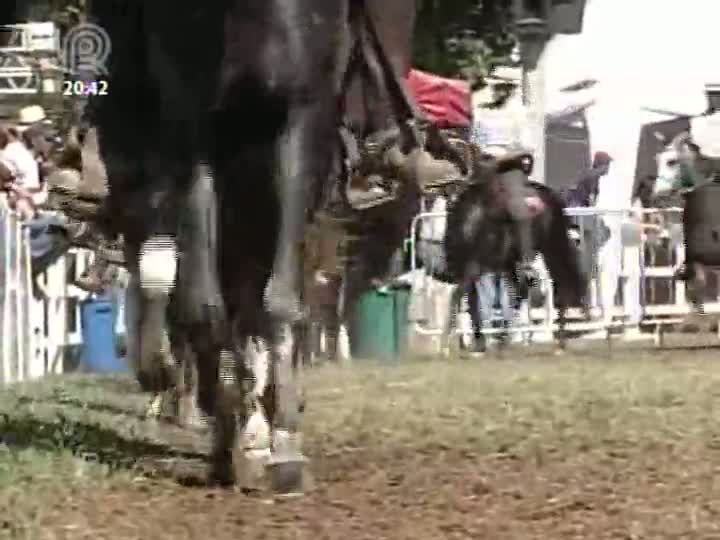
[
  {"x": 332, "y": 320},
  {"x": 189, "y": 414},
  {"x": 478, "y": 311},
  {"x": 148, "y": 349},
  {"x": 201, "y": 311},
  {"x": 451, "y": 322},
  {"x": 696, "y": 280},
  {"x": 301, "y": 163},
  {"x": 699, "y": 287},
  {"x": 254, "y": 445},
  {"x": 561, "y": 334}
]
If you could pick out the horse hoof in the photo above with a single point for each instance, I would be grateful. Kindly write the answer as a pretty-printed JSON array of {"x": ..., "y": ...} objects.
[
  {"x": 251, "y": 467},
  {"x": 287, "y": 477},
  {"x": 256, "y": 434},
  {"x": 222, "y": 473}
]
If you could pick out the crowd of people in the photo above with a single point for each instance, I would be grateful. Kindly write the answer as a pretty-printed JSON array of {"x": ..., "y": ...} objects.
[{"x": 28, "y": 148}]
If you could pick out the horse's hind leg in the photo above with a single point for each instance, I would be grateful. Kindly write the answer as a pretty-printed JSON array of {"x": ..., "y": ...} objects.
[
  {"x": 299, "y": 161},
  {"x": 699, "y": 287},
  {"x": 561, "y": 333},
  {"x": 188, "y": 413},
  {"x": 451, "y": 322}
]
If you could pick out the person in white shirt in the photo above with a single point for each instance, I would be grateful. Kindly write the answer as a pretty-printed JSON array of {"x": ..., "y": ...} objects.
[
  {"x": 502, "y": 127},
  {"x": 612, "y": 254},
  {"x": 25, "y": 191}
]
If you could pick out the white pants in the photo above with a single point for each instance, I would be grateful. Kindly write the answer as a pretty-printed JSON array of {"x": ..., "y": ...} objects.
[
  {"x": 632, "y": 265},
  {"x": 610, "y": 269},
  {"x": 614, "y": 261}
]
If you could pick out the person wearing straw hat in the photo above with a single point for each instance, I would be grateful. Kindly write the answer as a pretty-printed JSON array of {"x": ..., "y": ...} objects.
[
  {"x": 501, "y": 131},
  {"x": 25, "y": 189},
  {"x": 30, "y": 116}
]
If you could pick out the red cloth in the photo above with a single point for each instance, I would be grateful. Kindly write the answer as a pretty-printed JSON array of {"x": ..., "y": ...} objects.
[{"x": 446, "y": 102}]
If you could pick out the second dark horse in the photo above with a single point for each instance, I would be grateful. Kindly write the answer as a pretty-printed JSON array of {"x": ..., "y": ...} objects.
[{"x": 479, "y": 239}]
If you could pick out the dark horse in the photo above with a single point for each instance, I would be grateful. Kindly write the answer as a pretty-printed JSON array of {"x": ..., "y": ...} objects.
[
  {"x": 216, "y": 150},
  {"x": 689, "y": 179},
  {"x": 219, "y": 150},
  {"x": 479, "y": 239}
]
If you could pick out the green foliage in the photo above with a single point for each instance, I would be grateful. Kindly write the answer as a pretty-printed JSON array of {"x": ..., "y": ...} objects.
[{"x": 463, "y": 38}]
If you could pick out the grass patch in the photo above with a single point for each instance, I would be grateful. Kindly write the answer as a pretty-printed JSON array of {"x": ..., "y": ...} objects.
[{"x": 421, "y": 425}]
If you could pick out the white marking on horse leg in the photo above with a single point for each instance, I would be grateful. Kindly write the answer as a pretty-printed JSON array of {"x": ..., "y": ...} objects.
[
  {"x": 285, "y": 386},
  {"x": 158, "y": 264},
  {"x": 259, "y": 360},
  {"x": 154, "y": 406},
  {"x": 253, "y": 450},
  {"x": 256, "y": 433}
]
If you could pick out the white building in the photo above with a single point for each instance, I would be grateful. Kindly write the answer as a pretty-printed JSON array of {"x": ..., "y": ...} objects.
[{"x": 651, "y": 60}]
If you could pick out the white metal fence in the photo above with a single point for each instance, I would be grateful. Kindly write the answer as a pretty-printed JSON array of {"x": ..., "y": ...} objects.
[
  {"x": 37, "y": 330},
  {"x": 645, "y": 247},
  {"x": 39, "y": 322}
]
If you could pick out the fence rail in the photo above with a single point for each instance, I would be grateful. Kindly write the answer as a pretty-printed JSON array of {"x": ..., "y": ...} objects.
[
  {"x": 38, "y": 329},
  {"x": 39, "y": 319}
]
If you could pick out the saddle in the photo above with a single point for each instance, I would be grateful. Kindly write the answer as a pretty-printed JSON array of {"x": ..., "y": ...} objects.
[{"x": 400, "y": 154}]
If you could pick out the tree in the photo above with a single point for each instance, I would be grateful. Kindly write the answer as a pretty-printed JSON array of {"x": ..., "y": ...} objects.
[{"x": 463, "y": 38}]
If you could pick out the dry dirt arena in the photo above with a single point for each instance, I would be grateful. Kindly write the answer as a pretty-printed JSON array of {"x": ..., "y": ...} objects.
[{"x": 525, "y": 446}]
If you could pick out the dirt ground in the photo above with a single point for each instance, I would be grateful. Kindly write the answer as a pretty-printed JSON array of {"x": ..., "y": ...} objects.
[{"x": 528, "y": 446}]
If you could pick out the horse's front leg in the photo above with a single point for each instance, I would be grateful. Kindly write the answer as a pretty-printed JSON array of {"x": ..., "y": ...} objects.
[
  {"x": 301, "y": 164},
  {"x": 201, "y": 312},
  {"x": 148, "y": 347}
]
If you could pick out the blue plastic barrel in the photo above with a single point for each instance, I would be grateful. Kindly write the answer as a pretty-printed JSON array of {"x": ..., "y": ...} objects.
[{"x": 99, "y": 353}]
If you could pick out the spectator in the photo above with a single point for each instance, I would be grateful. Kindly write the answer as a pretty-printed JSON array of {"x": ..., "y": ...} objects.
[
  {"x": 610, "y": 199},
  {"x": 632, "y": 231},
  {"x": 585, "y": 191},
  {"x": 491, "y": 289},
  {"x": 25, "y": 190}
]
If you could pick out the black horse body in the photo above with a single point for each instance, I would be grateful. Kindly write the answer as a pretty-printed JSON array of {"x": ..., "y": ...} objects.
[
  {"x": 218, "y": 132},
  {"x": 479, "y": 239},
  {"x": 220, "y": 137}
]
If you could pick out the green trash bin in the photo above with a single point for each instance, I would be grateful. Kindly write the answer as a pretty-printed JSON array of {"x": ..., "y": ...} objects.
[{"x": 379, "y": 326}]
